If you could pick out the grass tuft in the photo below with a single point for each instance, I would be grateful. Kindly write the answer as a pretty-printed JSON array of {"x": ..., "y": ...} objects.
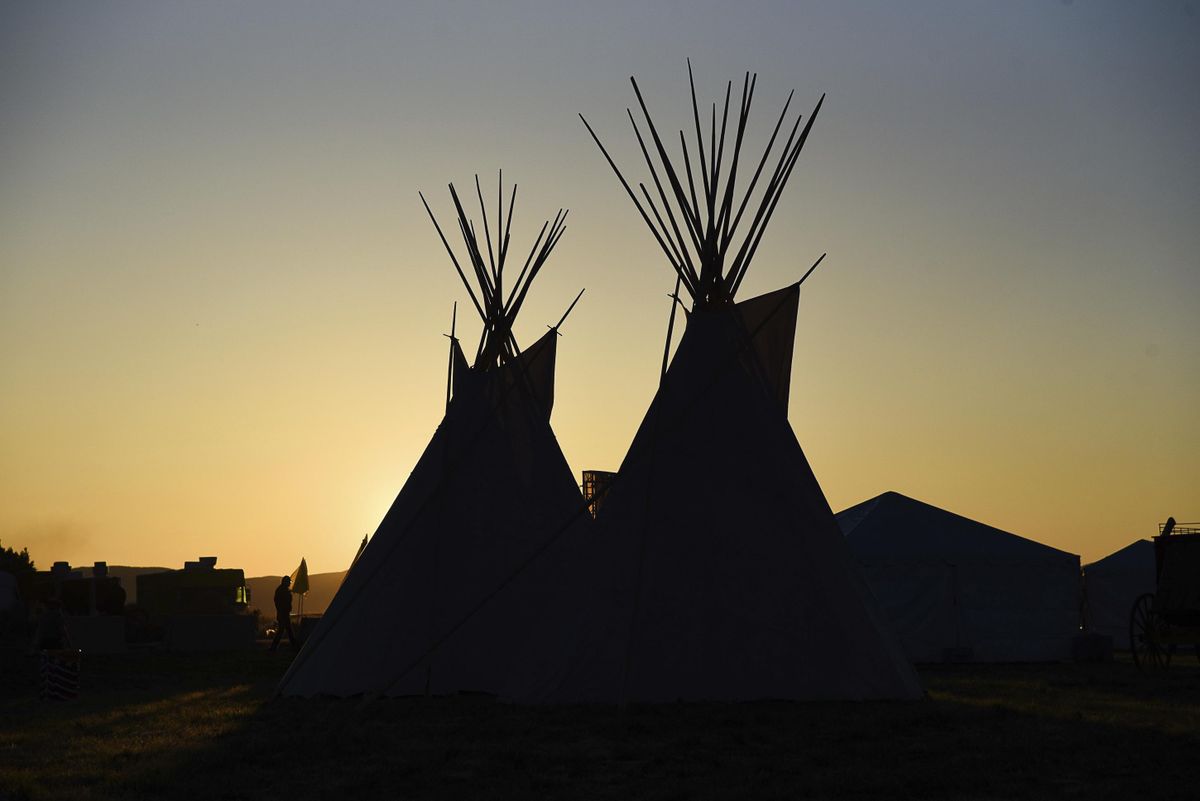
[{"x": 156, "y": 725}]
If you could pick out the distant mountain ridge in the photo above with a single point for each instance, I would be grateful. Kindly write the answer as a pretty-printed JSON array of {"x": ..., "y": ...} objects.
[{"x": 322, "y": 587}]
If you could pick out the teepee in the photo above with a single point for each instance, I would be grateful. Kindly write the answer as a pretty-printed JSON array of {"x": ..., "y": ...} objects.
[
  {"x": 458, "y": 564},
  {"x": 717, "y": 571}
]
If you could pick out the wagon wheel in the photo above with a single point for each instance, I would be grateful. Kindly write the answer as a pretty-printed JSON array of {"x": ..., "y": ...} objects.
[{"x": 1146, "y": 629}]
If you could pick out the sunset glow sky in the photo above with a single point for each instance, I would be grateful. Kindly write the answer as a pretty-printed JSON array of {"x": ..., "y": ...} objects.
[{"x": 222, "y": 305}]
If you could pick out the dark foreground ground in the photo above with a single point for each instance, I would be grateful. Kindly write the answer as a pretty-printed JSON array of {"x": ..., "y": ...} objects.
[{"x": 157, "y": 725}]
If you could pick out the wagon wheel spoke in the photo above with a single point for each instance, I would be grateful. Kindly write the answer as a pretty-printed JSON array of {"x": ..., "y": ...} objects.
[{"x": 1145, "y": 635}]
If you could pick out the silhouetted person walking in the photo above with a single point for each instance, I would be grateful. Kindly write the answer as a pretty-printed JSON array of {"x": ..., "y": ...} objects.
[{"x": 283, "y": 612}]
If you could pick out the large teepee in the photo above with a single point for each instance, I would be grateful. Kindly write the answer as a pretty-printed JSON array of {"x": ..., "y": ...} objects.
[
  {"x": 459, "y": 563},
  {"x": 717, "y": 571}
]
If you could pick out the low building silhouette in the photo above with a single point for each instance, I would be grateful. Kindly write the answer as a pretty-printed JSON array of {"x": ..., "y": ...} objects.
[{"x": 200, "y": 608}]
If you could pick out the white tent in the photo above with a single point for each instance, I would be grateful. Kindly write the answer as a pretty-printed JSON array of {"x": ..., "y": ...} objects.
[
  {"x": 717, "y": 570},
  {"x": 954, "y": 588},
  {"x": 451, "y": 576},
  {"x": 1112, "y": 584}
]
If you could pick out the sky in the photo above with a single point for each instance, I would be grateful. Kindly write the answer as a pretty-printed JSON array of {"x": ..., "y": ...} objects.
[{"x": 222, "y": 304}]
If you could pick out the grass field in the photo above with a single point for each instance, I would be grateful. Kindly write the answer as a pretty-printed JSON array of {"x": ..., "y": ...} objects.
[{"x": 152, "y": 725}]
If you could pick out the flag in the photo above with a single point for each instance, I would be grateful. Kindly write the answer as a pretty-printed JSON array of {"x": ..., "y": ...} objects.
[{"x": 300, "y": 578}]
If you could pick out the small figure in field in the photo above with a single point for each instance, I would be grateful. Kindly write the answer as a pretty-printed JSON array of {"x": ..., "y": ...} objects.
[
  {"x": 283, "y": 612},
  {"x": 51, "y": 632}
]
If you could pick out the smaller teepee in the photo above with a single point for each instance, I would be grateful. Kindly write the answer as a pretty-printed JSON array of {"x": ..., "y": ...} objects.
[{"x": 438, "y": 596}]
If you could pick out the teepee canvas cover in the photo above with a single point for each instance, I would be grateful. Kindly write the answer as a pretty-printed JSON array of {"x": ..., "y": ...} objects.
[
  {"x": 959, "y": 589},
  {"x": 450, "y": 579}
]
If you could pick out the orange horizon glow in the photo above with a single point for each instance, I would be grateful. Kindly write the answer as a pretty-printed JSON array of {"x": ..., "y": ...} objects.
[{"x": 222, "y": 305}]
